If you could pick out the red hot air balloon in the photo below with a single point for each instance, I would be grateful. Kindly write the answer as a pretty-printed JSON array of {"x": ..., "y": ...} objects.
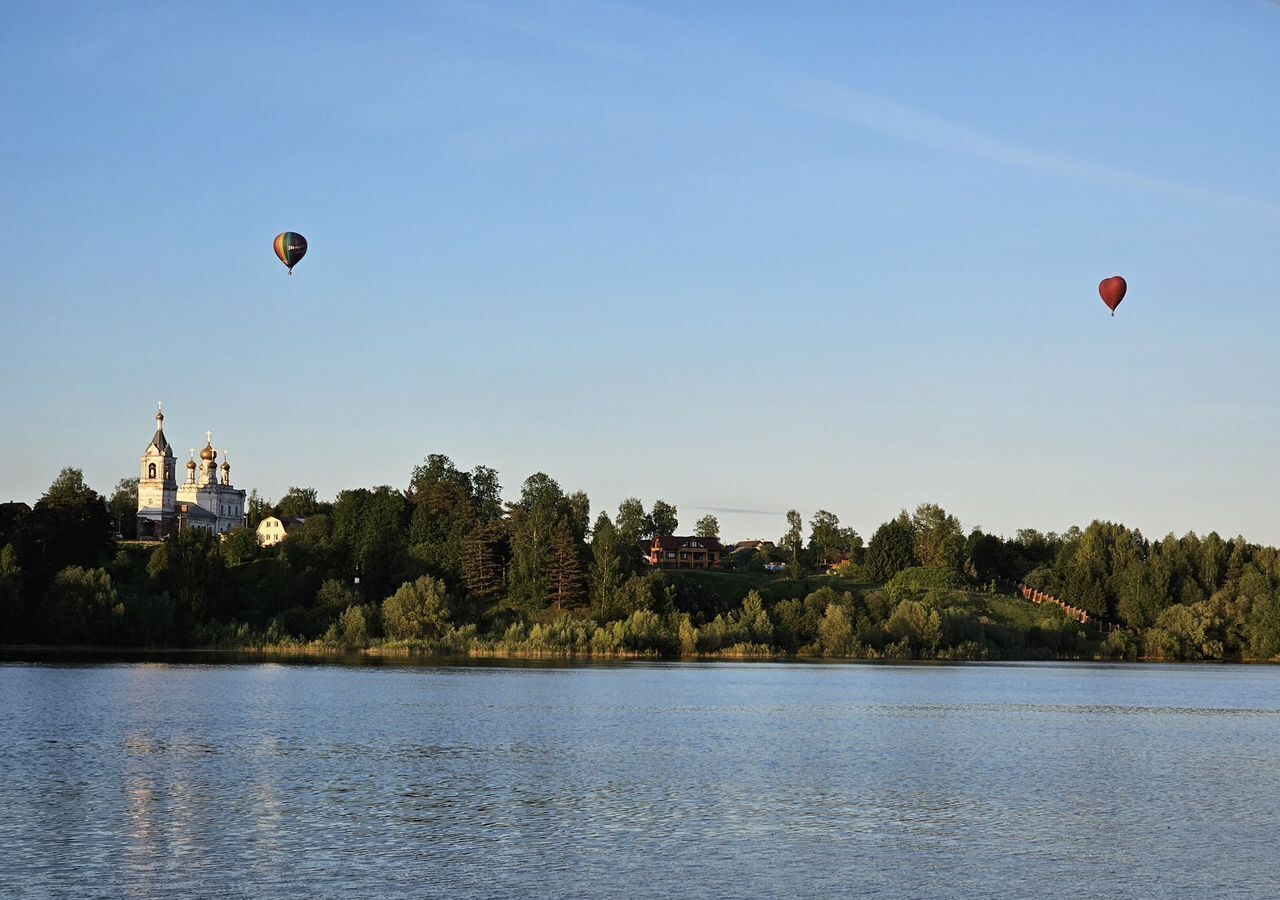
[
  {"x": 1112, "y": 291},
  {"x": 290, "y": 247}
]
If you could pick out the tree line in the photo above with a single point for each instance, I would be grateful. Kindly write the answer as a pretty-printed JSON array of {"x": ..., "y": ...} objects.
[{"x": 445, "y": 565}]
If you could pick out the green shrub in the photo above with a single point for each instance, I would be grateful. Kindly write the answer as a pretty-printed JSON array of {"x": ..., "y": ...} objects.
[
  {"x": 418, "y": 611},
  {"x": 915, "y": 623},
  {"x": 351, "y": 630},
  {"x": 836, "y": 632},
  {"x": 755, "y": 621},
  {"x": 1121, "y": 644},
  {"x": 83, "y": 607},
  {"x": 853, "y": 571},
  {"x": 913, "y": 583}
]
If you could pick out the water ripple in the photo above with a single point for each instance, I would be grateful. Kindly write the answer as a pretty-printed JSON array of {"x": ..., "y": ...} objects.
[{"x": 254, "y": 781}]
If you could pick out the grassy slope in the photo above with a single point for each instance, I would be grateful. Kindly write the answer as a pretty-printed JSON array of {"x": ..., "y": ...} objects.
[{"x": 723, "y": 591}]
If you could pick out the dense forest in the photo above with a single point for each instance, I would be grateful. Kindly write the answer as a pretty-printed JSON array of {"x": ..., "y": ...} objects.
[{"x": 446, "y": 566}]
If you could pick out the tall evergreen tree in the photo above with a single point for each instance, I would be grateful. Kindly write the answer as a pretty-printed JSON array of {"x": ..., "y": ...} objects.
[
  {"x": 443, "y": 513},
  {"x": 564, "y": 576},
  {"x": 891, "y": 550},
  {"x": 484, "y": 558},
  {"x": 534, "y": 519},
  {"x": 487, "y": 493}
]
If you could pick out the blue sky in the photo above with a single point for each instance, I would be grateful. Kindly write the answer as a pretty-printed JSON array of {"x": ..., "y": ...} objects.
[{"x": 743, "y": 257}]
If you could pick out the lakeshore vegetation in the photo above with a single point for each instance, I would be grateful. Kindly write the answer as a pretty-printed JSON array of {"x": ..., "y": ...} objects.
[{"x": 444, "y": 566}]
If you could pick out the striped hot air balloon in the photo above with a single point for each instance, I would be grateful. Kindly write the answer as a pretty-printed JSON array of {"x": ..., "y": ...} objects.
[{"x": 290, "y": 247}]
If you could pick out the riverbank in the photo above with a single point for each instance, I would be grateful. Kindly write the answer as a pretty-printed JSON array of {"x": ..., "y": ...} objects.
[
  {"x": 319, "y": 652},
  {"x": 907, "y": 619}
]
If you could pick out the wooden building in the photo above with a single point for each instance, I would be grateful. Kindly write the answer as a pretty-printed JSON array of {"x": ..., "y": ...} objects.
[{"x": 670, "y": 552}]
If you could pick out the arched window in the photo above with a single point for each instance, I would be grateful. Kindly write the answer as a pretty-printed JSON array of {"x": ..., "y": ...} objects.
[{"x": 151, "y": 471}]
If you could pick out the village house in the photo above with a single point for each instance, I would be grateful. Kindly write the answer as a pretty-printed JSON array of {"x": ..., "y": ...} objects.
[
  {"x": 274, "y": 529},
  {"x": 670, "y": 552}
]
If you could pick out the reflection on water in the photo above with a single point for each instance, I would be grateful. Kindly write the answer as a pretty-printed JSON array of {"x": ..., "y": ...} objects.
[{"x": 129, "y": 780}]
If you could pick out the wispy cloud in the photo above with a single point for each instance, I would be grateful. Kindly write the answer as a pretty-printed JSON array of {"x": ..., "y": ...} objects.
[
  {"x": 735, "y": 510},
  {"x": 843, "y": 104},
  {"x": 666, "y": 38}
]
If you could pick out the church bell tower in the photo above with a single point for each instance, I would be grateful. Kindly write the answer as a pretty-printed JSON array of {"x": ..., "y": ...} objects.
[{"x": 157, "y": 485}]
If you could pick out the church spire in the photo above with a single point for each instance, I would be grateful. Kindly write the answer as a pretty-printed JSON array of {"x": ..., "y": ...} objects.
[{"x": 158, "y": 440}]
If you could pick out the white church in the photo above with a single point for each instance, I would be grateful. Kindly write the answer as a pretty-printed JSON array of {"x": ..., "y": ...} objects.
[{"x": 206, "y": 500}]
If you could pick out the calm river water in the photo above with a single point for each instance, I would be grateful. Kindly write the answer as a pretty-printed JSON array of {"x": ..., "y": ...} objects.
[{"x": 699, "y": 780}]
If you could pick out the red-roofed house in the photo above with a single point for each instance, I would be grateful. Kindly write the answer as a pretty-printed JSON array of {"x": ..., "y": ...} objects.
[{"x": 669, "y": 552}]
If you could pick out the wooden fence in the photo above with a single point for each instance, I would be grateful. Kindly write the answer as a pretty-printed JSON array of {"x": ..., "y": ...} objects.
[{"x": 1075, "y": 612}]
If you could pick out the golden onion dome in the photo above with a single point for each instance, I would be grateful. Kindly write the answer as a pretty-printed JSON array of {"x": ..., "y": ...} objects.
[
  {"x": 191, "y": 464},
  {"x": 208, "y": 452}
]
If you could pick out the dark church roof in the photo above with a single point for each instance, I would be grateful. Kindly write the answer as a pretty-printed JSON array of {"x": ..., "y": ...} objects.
[
  {"x": 161, "y": 443},
  {"x": 195, "y": 511}
]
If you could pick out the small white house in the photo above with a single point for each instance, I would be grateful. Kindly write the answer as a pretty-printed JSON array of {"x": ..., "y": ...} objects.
[{"x": 274, "y": 529}]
